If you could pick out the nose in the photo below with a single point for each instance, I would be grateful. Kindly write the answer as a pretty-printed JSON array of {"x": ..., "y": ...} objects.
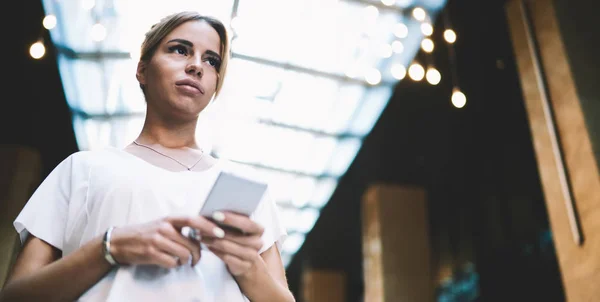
[{"x": 195, "y": 67}]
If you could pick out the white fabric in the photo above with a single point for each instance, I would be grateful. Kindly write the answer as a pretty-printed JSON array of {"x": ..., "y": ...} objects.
[{"x": 92, "y": 190}]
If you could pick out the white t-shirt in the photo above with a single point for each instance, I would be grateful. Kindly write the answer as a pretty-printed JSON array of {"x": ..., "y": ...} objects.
[{"x": 92, "y": 190}]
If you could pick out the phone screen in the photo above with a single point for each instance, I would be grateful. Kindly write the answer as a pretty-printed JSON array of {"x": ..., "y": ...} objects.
[{"x": 234, "y": 194}]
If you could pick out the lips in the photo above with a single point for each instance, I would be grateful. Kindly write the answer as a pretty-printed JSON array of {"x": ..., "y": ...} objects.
[{"x": 190, "y": 83}]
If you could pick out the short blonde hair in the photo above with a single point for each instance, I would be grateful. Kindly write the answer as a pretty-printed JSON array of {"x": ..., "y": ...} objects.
[{"x": 161, "y": 29}]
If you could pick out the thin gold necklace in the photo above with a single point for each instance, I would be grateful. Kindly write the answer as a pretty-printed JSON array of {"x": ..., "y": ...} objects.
[{"x": 188, "y": 168}]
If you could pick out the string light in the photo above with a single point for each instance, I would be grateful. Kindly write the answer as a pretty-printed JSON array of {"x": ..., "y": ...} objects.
[
  {"x": 385, "y": 50},
  {"x": 450, "y": 36},
  {"x": 401, "y": 30},
  {"x": 419, "y": 14},
  {"x": 416, "y": 72},
  {"x": 373, "y": 76},
  {"x": 433, "y": 76},
  {"x": 397, "y": 47},
  {"x": 37, "y": 50},
  {"x": 427, "y": 29},
  {"x": 49, "y": 22},
  {"x": 459, "y": 100},
  {"x": 398, "y": 71},
  {"x": 427, "y": 45}
]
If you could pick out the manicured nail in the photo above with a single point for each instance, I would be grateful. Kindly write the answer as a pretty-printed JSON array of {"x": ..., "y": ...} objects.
[
  {"x": 219, "y": 233},
  {"x": 218, "y": 216}
]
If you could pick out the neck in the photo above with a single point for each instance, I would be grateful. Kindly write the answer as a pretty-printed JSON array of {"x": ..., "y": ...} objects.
[{"x": 157, "y": 130}]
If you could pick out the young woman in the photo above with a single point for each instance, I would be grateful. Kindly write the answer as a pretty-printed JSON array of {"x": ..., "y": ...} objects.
[{"x": 110, "y": 224}]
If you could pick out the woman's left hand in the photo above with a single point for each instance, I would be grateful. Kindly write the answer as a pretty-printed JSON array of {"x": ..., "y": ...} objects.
[{"x": 239, "y": 251}]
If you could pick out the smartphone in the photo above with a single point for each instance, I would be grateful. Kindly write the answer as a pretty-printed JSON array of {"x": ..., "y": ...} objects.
[{"x": 233, "y": 194}]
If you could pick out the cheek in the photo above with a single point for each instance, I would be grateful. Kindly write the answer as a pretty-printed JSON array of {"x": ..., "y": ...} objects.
[{"x": 212, "y": 81}]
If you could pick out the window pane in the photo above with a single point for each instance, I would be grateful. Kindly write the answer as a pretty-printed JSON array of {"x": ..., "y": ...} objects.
[
  {"x": 125, "y": 21},
  {"x": 102, "y": 87}
]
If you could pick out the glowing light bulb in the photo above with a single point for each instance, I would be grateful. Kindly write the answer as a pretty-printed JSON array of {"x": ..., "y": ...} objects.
[
  {"x": 458, "y": 98},
  {"x": 416, "y": 72},
  {"x": 398, "y": 71},
  {"x": 401, "y": 30},
  {"x": 433, "y": 76},
  {"x": 419, "y": 14},
  {"x": 388, "y": 2},
  {"x": 373, "y": 76},
  {"x": 427, "y": 29},
  {"x": 450, "y": 36},
  {"x": 427, "y": 45},
  {"x": 386, "y": 50},
  {"x": 49, "y": 22},
  {"x": 37, "y": 50},
  {"x": 397, "y": 47}
]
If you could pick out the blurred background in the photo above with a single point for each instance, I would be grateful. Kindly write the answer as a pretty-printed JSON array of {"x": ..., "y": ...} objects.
[{"x": 421, "y": 150}]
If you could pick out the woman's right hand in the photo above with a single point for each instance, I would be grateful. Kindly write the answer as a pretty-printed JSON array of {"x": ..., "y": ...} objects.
[{"x": 160, "y": 242}]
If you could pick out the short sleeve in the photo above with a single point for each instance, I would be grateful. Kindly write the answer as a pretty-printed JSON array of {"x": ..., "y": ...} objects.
[
  {"x": 45, "y": 213},
  {"x": 267, "y": 215}
]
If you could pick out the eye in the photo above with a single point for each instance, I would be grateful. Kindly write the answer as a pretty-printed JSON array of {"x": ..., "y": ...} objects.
[
  {"x": 214, "y": 62},
  {"x": 179, "y": 49}
]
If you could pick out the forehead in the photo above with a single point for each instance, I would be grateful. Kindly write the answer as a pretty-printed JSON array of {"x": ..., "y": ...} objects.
[{"x": 200, "y": 33}]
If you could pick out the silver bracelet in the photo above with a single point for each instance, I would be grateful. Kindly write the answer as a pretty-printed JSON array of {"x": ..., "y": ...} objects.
[{"x": 106, "y": 247}]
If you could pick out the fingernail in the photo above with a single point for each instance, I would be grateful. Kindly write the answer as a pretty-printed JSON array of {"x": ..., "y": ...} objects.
[
  {"x": 219, "y": 233},
  {"x": 218, "y": 216}
]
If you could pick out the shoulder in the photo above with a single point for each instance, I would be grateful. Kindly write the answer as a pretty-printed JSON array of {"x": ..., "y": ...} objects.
[
  {"x": 87, "y": 157},
  {"x": 81, "y": 161}
]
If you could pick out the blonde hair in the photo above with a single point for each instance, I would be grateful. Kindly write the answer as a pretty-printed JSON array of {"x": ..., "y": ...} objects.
[{"x": 161, "y": 29}]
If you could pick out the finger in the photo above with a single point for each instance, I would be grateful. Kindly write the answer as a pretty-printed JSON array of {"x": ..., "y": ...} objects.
[
  {"x": 169, "y": 231},
  {"x": 205, "y": 226},
  {"x": 242, "y": 222},
  {"x": 234, "y": 249},
  {"x": 163, "y": 259},
  {"x": 254, "y": 242},
  {"x": 172, "y": 248}
]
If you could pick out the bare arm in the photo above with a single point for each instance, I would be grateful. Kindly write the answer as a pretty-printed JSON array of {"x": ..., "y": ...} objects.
[
  {"x": 40, "y": 274},
  {"x": 266, "y": 281},
  {"x": 261, "y": 277}
]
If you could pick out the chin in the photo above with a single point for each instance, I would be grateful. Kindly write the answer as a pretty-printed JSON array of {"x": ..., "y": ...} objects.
[{"x": 187, "y": 108}]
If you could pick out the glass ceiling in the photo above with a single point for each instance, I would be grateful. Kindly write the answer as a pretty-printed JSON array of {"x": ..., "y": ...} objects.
[{"x": 307, "y": 82}]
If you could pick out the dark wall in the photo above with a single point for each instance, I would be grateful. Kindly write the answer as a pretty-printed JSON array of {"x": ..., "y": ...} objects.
[
  {"x": 578, "y": 22},
  {"x": 34, "y": 111},
  {"x": 477, "y": 165}
]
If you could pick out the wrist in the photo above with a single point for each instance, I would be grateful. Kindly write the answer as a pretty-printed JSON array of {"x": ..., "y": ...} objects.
[
  {"x": 258, "y": 266},
  {"x": 108, "y": 249}
]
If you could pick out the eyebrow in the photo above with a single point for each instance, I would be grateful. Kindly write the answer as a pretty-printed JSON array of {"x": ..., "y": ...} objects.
[{"x": 191, "y": 45}]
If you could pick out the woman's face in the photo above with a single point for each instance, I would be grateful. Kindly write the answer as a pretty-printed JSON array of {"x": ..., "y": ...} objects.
[{"x": 181, "y": 77}]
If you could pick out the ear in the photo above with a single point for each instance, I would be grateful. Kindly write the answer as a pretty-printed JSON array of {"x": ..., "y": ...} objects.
[{"x": 140, "y": 73}]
